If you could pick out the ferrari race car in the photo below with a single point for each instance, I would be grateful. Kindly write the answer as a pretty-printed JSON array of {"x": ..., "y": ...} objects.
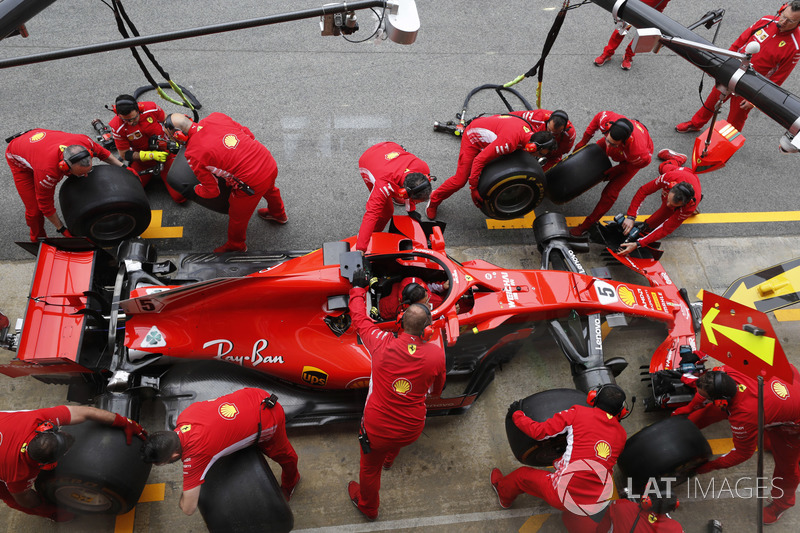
[{"x": 123, "y": 327}]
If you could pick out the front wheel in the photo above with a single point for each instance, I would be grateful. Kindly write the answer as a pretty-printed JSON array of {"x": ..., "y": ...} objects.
[{"x": 511, "y": 186}]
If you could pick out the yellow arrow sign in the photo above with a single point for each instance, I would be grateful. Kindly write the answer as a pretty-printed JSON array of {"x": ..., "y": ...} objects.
[
  {"x": 762, "y": 347},
  {"x": 780, "y": 285}
]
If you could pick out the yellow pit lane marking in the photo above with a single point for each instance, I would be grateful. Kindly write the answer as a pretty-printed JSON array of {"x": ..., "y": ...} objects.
[
  {"x": 787, "y": 315},
  {"x": 534, "y": 523},
  {"x": 156, "y": 231},
  {"x": 153, "y": 492}
]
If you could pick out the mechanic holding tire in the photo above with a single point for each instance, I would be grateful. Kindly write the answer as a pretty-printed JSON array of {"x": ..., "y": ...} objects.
[
  {"x": 133, "y": 126},
  {"x": 392, "y": 175},
  {"x": 39, "y": 159},
  {"x": 218, "y": 146},
  {"x": 207, "y": 431},
  {"x": 728, "y": 393},
  {"x": 486, "y": 139},
  {"x": 626, "y": 142},
  {"x": 597, "y": 440},
  {"x": 405, "y": 370},
  {"x": 33, "y": 441},
  {"x": 556, "y": 122}
]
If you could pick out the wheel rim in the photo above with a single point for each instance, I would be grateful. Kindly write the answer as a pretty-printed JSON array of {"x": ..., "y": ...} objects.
[
  {"x": 514, "y": 198},
  {"x": 114, "y": 226},
  {"x": 83, "y": 499}
]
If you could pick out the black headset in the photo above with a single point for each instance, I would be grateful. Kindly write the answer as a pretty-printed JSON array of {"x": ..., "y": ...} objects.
[
  {"x": 723, "y": 390},
  {"x": 593, "y": 399},
  {"x": 685, "y": 189},
  {"x": 427, "y": 332},
  {"x": 624, "y": 124},
  {"x": 560, "y": 113},
  {"x": 63, "y": 442},
  {"x": 66, "y": 164}
]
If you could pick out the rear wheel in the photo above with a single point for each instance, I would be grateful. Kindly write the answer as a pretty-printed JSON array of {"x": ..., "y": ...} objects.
[
  {"x": 511, "y": 186},
  {"x": 576, "y": 174}
]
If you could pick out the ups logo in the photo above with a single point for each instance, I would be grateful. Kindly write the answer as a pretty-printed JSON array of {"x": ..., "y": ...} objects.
[{"x": 314, "y": 376}]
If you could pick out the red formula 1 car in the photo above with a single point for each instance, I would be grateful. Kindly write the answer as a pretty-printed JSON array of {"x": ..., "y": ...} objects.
[{"x": 119, "y": 329}]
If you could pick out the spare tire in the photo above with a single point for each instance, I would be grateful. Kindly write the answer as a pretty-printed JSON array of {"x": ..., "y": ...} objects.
[
  {"x": 107, "y": 206},
  {"x": 99, "y": 475},
  {"x": 182, "y": 179},
  {"x": 540, "y": 407},
  {"x": 673, "y": 447},
  {"x": 241, "y": 494},
  {"x": 511, "y": 186},
  {"x": 576, "y": 174}
]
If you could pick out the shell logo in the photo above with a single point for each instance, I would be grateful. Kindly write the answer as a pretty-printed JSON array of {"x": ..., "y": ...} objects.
[
  {"x": 626, "y": 295},
  {"x": 401, "y": 386},
  {"x": 412, "y": 348},
  {"x": 36, "y": 137},
  {"x": 391, "y": 155},
  {"x": 602, "y": 449},
  {"x": 185, "y": 428},
  {"x": 780, "y": 390},
  {"x": 230, "y": 141},
  {"x": 228, "y": 411}
]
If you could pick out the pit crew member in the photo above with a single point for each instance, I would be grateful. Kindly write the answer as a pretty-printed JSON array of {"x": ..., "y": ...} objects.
[
  {"x": 33, "y": 441},
  {"x": 594, "y": 434},
  {"x": 650, "y": 515},
  {"x": 392, "y": 175},
  {"x": 207, "y": 431},
  {"x": 629, "y": 144},
  {"x": 556, "y": 122},
  {"x": 39, "y": 159},
  {"x": 619, "y": 35},
  {"x": 728, "y": 393},
  {"x": 405, "y": 370},
  {"x": 779, "y": 38},
  {"x": 132, "y": 127},
  {"x": 218, "y": 146},
  {"x": 680, "y": 193},
  {"x": 409, "y": 291},
  {"x": 486, "y": 139}
]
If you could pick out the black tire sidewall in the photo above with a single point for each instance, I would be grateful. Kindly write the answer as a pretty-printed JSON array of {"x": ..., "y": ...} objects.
[{"x": 517, "y": 169}]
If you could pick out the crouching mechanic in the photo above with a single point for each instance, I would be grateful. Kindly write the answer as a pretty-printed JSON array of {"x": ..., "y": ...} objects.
[
  {"x": 392, "y": 175},
  {"x": 650, "y": 515},
  {"x": 594, "y": 436},
  {"x": 680, "y": 193},
  {"x": 556, "y": 122},
  {"x": 220, "y": 147},
  {"x": 39, "y": 159},
  {"x": 134, "y": 124},
  {"x": 33, "y": 441},
  {"x": 405, "y": 370},
  {"x": 625, "y": 141},
  {"x": 207, "y": 431},
  {"x": 484, "y": 140},
  {"x": 728, "y": 393}
]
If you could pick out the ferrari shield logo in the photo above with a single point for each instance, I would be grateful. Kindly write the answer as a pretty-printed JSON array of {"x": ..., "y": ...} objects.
[
  {"x": 185, "y": 428},
  {"x": 150, "y": 120},
  {"x": 412, "y": 348}
]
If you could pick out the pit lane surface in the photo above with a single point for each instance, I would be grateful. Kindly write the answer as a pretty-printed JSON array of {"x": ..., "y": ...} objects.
[{"x": 317, "y": 103}]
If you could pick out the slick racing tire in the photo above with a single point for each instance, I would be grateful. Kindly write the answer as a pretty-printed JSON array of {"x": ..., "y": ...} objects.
[
  {"x": 576, "y": 174},
  {"x": 107, "y": 206},
  {"x": 511, "y": 186},
  {"x": 100, "y": 474},
  {"x": 540, "y": 407},
  {"x": 182, "y": 179},
  {"x": 241, "y": 494},
  {"x": 670, "y": 448}
]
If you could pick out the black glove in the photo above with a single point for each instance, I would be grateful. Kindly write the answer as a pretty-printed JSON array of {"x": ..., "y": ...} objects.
[
  {"x": 515, "y": 406},
  {"x": 360, "y": 278}
]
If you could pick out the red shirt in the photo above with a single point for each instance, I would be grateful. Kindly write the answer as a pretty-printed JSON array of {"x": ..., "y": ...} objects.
[
  {"x": 495, "y": 136},
  {"x": 404, "y": 371},
  {"x": 779, "y": 50},
  {"x": 216, "y": 428},
  {"x": 621, "y": 514},
  {"x": 17, "y": 470},
  {"x": 220, "y": 146},
  {"x": 137, "y": 138},
  {"x": 592, "y": 435},
  {"x": 539, "y": 118},
  {"x": 384, "y": 167},
  {"x": 637, "y": 151},
  {"x": 664, "y": 183},
  {"x": 41, "y": 151}
]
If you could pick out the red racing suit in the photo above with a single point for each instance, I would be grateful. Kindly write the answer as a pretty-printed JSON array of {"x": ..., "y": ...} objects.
[
  {"x": 220, "y": 147},
  {"x": 617, "y": 37},
  {"x": 383, "y": 168},
  {"x": 216, "y": 428},
  {"x": 779, "y": 54},
  {"x": 484, "y": 140},
  {"x": 594, "y": 437},
  {"x": 18, "y": 471},
  {"x": 666, "y": 219},
  {"x": 622, "y": 514},
  {"x": 632, "y": 156},
  {"x": 390, "y": 306},
  {"x": 538, "y": 119},
  {"x": 405, "y": 370},
  {"x": 781, "y": 423},
  {"x": 137, "y": 138},
  {"x": 34, "y": 157}
]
